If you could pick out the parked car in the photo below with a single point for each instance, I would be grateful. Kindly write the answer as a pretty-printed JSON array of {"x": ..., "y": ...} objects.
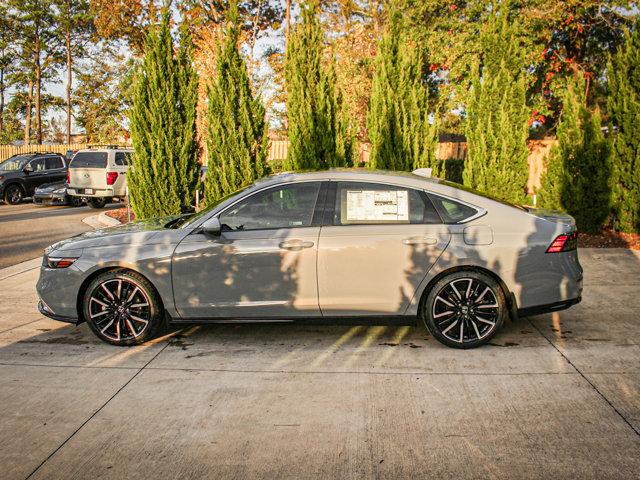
[
  {"x": 21, "y": 174},
  {"x": 99, "y": 175},
  {"x": 55, "y": 194},
  {"x": 338, "y": 245}
]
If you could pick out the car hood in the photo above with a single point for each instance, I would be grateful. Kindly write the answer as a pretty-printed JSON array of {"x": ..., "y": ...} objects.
[
  {"x": 50, "y": 187},
  {"x": 140, "y": 232}
]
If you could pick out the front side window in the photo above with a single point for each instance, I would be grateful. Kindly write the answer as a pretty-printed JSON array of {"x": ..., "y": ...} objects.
[
  {"x": 53, "y": 163},
  {"x": 38, "y": 164},
  {"x": 358, "y": 203},
  {"x": 288, "y": 206}
]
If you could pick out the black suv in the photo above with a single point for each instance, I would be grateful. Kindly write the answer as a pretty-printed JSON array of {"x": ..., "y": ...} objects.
[{"x": 22, "y": 173}]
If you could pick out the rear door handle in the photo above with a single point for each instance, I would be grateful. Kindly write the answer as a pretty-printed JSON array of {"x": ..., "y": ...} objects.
[
  {"x": 420, "y": 241},
  {"x": 295, "y": 244}
]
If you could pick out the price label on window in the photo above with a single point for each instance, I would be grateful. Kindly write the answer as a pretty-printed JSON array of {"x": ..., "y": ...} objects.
[{"x": 377, "y": 206}]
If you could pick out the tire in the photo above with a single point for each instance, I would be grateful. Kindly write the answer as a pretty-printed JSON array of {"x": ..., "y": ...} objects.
[
  {"x": 134, "y": 312},
  {"x": 464, "y": 309},
  {"x": 13, "y": 194},
  {"x": 76, "y": 201},
  {"x": 97, "y": 202}
]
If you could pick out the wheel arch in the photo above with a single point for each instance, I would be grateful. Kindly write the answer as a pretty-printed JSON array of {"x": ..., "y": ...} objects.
[
  {"x": 85, "y": 284},
  {"x": 509, "y": 296}
]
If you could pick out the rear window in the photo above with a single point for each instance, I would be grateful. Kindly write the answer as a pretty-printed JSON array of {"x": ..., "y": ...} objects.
[
  {"x": 89, "y": 160},
  {"x": 452, "y": 211}
]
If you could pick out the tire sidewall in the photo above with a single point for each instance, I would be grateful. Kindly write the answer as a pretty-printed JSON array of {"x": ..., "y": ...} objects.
[
  {"x": 427, "y": 307},
  {"x": 97, "y": 203},
  {"x": 155, "y": 305},
  {"x": 7, "y": 197}
]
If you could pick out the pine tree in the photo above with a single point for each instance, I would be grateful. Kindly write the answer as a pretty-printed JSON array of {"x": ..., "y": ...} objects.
[
  {"x": 624, "y": 107},
  {"x": 237, "y": 135},
  {"x": 402, "y": 137},
  {"x": 163, "y": 126},
  {"x": 497, "y": 114},
  {"x": 577, "y": 179},
  {"x": 318, "y": 129}
]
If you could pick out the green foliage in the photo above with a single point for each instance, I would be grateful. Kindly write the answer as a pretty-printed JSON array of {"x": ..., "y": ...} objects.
[
  {"x": 577, "y": 178},
  {"x": 402, "y": 138},
  {"x": 163, "y": 126},
  {"x": 497, "y": 114},
  {"x": 318, "y": 126},
  {"x": 624, "y": 108},
  {"x": 237, "y": 135}
]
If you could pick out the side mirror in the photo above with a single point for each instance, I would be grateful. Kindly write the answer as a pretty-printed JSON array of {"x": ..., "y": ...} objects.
[
  {"x": 212, "y": 226},
  {"x": 28, "y": 169}
]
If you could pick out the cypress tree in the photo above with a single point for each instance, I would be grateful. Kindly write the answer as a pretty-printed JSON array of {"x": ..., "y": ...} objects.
[
  {"x": 497, "y": 114},
  {"x": 623, "y": 73},
  {"x": 402, "y": 138},
  {"x": 577, "y": 179},
  {"x": 163, "y": 126},
  {"x": 318, "y": 129},
  {"x": 237, "y": 134}
]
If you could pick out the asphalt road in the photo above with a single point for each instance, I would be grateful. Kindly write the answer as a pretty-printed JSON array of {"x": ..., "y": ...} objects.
[{"x": 26, "y": 229}]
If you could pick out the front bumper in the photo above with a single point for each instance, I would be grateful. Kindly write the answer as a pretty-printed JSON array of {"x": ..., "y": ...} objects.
[
  {"x": 44, "y": 309},
  {"x": 50, "y": 198}
]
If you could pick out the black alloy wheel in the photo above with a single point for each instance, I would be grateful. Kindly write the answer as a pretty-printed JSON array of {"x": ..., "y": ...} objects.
[
  {"x": 13, "y": 194},
  {"x": 465, "y": 309},
  {"x": 122, "y": 308}
]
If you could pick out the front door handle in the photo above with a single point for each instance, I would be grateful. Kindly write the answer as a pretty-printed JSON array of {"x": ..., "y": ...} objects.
[
  {"x": 420, "y": 241},
  {"x": 295, "y": 244}
]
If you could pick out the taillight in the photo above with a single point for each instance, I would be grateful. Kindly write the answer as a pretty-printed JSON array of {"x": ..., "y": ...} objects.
[
  {"x": 68, "y": 177},
  {"x": 111, "y": 177},
  {"x": 564, "y": 243}
]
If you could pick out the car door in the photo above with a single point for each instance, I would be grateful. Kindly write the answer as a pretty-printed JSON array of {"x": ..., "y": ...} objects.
[
  {"x": 263, "y": 263},
  {"x": 377, "y": 244},
  {"x": 36, "y": 176},
  {"x": 55, "y": 168}
]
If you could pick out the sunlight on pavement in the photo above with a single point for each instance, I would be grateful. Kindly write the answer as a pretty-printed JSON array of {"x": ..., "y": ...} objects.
[
  {"x": 372, "y": 335},
  {"x": 401, "y": 332},
  {"x": 336, "y": 346}
]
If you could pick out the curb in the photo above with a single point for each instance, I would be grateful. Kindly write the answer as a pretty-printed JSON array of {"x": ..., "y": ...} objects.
[{"x": 101, "y": 220}]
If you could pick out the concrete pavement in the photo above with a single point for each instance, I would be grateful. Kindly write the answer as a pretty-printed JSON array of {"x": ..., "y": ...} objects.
[{"x": 554, "y": 396}]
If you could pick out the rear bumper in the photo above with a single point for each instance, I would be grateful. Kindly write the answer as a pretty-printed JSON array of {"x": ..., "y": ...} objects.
[
  {"x": 96, "y": 193},
  {"x": 549, "y": 308}
]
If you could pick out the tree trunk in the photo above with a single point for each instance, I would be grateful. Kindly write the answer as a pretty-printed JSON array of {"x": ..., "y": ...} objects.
[
  {"x": 1, "y": 100},
  {"x": 27, "y": 115},
  {"x": 38, "y": 85},
  {"x": 288, "y": 21},
  {"x": 68, "y": 46}
]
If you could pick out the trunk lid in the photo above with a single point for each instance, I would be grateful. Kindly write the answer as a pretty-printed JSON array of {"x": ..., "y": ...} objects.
[{"x": 554, "y": 216}]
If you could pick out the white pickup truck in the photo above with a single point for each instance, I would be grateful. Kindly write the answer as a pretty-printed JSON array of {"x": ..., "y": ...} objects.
[{"x": 99, "y": 175}]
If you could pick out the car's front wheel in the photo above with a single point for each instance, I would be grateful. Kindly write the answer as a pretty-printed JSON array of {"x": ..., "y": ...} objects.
[
  {"x": 97, "y": 202},
  {"x": 465, "y": 309},
  {"x": 13, "y": 194},
  {"x": 122, "y": 308}
]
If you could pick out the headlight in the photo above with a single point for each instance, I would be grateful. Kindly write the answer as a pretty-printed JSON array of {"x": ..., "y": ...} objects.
[
  {"x": 58, "y": 262},
  {"x": 60, "y": 190}
]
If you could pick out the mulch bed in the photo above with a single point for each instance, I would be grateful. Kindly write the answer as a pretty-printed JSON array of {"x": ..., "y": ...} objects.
[
  {"x": 121, "y": 214},
  {"x": 609, "y": 239},
  {"x": 605, "y": 239}
]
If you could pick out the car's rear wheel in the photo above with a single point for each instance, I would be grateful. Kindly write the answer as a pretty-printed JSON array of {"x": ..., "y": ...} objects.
[
  {"x": 122, "y": 308},
  {"x": 76, "y": 201},
  {"x": 465, "y": 309},
  {"x": 97, "y": 202},
  {"x": 13, "y": 194}
]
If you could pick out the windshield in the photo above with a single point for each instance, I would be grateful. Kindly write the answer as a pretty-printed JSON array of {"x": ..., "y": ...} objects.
[
  {"x": 186, "y": 221},
  {"x": 481, "y": 194},
  {"x": 15, "y": 163}
]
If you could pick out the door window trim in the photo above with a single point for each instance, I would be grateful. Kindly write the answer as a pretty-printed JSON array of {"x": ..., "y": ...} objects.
[{"x": 272, "y": 187}]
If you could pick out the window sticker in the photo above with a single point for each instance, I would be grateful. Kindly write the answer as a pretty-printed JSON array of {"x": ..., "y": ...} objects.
[{"x": 377, "y": 206}]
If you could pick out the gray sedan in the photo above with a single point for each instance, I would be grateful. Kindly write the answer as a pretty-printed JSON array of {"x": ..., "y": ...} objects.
[{"x": 335, "y": 246}]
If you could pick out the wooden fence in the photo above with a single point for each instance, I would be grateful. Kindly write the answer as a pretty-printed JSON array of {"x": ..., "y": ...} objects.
[{"x": 279, "y": 148}]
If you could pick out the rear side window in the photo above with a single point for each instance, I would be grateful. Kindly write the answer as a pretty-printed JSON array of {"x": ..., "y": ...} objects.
[
  {"x": 123, "y": 158},
  {"x": 89, "y": 160},
  {"x": 359, "y": 203},
  {"x": 53, "y": 163},
  {"x": 452, "y": 211}
]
